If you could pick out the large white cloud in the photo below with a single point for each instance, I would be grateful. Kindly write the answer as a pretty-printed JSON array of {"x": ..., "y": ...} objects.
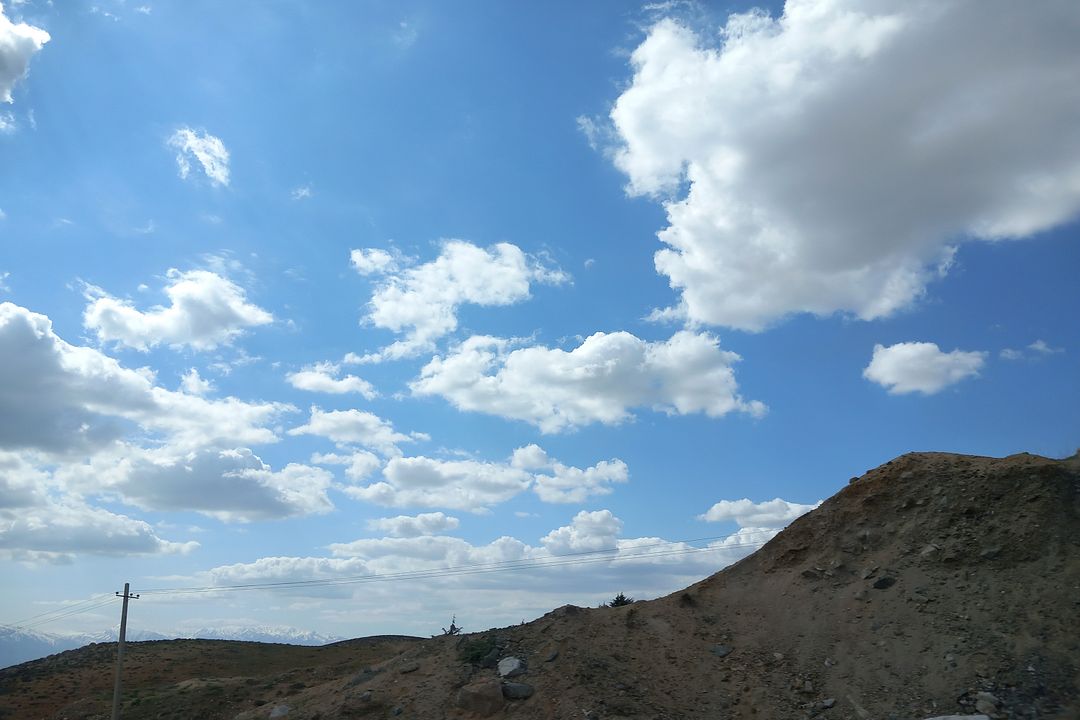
[
  {"x": 456, "y": 484},
  {"x": 205, "y": 149},
  {"x": 61, "y": 398},
  {"x": 229, "y": 484},
  {"x": 475, "y": 486},
  {"x": 920, "y": 367},
  {"x": 205, "y": 310},
  {"x": 602, "y": 380},
  {"x": 58, "y": 530},
  {"x": 421, "y": 302},
  {"x": 829, "y": 159},
  {"x": 18, "y": 43},
  {"x": 324, "y": 377},
  {"x": 774, "y": 513}
]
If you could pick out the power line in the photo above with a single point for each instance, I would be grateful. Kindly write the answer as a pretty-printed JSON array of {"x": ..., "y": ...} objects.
[
  {"x": 568, "y": 559},
  {"x": 78, "y": 609}
]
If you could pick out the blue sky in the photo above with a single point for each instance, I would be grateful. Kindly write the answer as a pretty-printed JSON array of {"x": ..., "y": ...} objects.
[{"x": 300, "y": 292}]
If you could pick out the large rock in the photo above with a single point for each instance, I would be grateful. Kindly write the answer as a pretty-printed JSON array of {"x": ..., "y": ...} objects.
[
  {"x": 517, "y": 690},
  {"x": 483, "y": 697}
]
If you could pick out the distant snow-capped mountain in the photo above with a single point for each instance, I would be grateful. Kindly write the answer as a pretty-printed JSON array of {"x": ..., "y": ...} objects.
[{"x": 19, "y": 646}]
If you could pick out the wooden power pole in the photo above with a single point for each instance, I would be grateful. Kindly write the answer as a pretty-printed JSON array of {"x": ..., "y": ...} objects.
[{"x": 120, "y": 650}]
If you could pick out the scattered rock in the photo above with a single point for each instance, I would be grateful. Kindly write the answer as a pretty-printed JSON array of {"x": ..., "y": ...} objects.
[
  {"x": 986, "y": 703},
  {"x": 409, "y": 667},
  {"x": 279, "y": 711},
  {"x": 517, "y": 691},
  {"x": 959, "y": 717},
  {"x": 721, "y": 650},
  {"x": 511, "y": 666},
  {"x": 552, "y": 656},
  {"x": 828, "y": 703},
  {"x": 883, "y": 582},
  {"x": 990, "y": 553},
  {"x": 483, "y": 697},
  {"x": 397, "y": 710}
]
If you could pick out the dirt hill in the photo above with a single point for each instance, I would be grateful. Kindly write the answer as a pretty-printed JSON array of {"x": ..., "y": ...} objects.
[{"x": 933, "y": 585}]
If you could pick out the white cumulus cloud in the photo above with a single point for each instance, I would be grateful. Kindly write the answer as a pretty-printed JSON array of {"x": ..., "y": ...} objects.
[
  {"x": 475, "y": 485},
  {"x": 323, "y": 377},
  {"x": 920, "y": 367},
  {"x": 206, "y": 310},
  {"x": 61, "y": 398},
  {"x": 232, "y": 485},
  {"x": 774, "y": 513},
  {"x": 208, "y": 151},
  {"x": 18, "y": 43},
  {"x": 414, "y": 525},
  {"x": 601, "y": 380},
  {"x": 356, "y": 427},
  {"x": 421, "y": 302},
  {"x": 829, "y": 159}
]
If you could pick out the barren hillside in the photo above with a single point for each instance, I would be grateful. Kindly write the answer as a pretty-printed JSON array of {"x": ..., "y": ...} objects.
[{"x": 933, "y": 585}]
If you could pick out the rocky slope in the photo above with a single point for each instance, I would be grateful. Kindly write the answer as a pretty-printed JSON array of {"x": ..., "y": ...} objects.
[{"x": 934, "y": 585}]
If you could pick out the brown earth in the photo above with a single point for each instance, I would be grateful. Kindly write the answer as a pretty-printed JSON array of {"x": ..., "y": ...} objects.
[{"x": 933, "y": 585}]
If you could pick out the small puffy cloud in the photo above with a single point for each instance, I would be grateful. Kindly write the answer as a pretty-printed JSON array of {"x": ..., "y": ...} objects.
[
  {"x": 475, "y": 486},
  {"x": 193, "y": 383},
  {"x": 414, "y": 525},
  {"x": 323, "y": 377},
  {"x": 206, "y": 310},
  {"x": 467, "y": 485},
  {"x": 827, "y": 160},
  {"x": 774, "y": 513},
  {"x": 301, "y": 193},
  {"x": 7, "y": 124},
  {"x": 372, "y": 261},
  {"x": 598, "y": 530},
  {"x": 1043, "y": 348},
  {"x": 359, "y": 465},
  {"x": 1038, "y": 349},
  {"x": 920, "y": 367},
  {"x": 602, "y": 380},
  {"x": 18, "y": 43},
  {"x": 355, "y": 427},
  {"x": 61, "y": 398},
  {"x": 565, "y": 484},
  {"x": 208, "y": 151},
  {"x": 422, "y": 302}
]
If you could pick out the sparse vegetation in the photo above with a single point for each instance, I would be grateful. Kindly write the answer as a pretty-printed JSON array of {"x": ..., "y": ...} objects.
[
  {"x": 474, "y": 651},
  {"x": 618, "y": 601}
]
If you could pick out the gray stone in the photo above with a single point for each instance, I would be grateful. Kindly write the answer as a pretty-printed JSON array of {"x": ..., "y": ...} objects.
[
  {"x": 517, "y": 691},
  {"x": 883, "y": 582},
  {"x": 986, "y": 703},
  {"x": 828, "y": 703},
  {"x": 409, "y": 667},
  {"x": 720, "y": 650},
  {"x": 397, "y": 711},
  {"x": 511, "y": 666},
  {"x": 959, "y": 717},
  {"x": 552, "y": 656},
  {"x": 280, "y": 711}
]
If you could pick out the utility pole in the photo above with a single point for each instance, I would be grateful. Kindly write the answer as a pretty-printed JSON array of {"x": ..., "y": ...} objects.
[{"x": 120, "y": 650}]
